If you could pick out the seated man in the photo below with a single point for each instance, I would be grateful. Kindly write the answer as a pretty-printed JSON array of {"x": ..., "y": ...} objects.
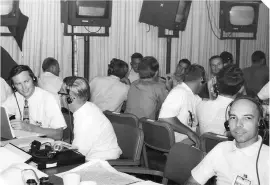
[
  {"x": 93, "y": 133},
  {"x": 211, "y": 113},
  {"x": 110, "y": 92},
  {"x": 49, "y": 80},
  {"x": 257, "y": 75},
  {"x": 44, "y": 114},
  {"x": 179, "y": 107},
  {"x": 147, "y": 94},
  {"x": 216, "y": 64},
  {"x": 133, "y": 74},
  {"x": 242, "y": 161},
  {"x": 180, "y": 70}
]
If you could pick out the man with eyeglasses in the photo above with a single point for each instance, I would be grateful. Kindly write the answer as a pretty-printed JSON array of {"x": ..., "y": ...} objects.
[{"x": 179, "y": 107}]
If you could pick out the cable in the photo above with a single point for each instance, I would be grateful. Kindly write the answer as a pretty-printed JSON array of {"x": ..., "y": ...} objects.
[
  {"x": 210, "y": 20},
  {"x": 91, "y": 31},
  {"x": 257, "y": 159},
  {"x": 18, "y": 105}
]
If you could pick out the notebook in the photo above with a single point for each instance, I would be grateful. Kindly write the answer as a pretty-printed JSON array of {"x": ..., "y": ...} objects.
[{"x": 8, "y": 133}]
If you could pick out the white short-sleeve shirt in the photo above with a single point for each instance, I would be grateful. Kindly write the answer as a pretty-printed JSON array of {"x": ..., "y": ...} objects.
[
  {"x": 51, "y": 83},
  {"x": 43, "y": 109},
  {"x": 264, "y": 92},
  {"x": 5, "y": 90},
  {"x": 226, "y": 162},
  {"x": 181, "y": 102},
  {"x": 108, "y": 93},
  {"x": 211, "y": 115},
  {"x": 93, "y": 134}
]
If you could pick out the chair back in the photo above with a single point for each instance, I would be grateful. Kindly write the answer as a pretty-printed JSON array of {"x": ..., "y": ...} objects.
[
  {"x": 209, "y": 140},
  {"x": 181, "y": 160},
  {"x": 122, "y": 118},
  {"x": 130, "y": 140},
  {"x": 68, "y": 132},
  {"x": 158, "y": 135}
]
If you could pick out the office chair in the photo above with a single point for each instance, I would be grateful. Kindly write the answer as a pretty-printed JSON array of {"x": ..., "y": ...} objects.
[
  {"x": 209, "y": 140},
  {"x": 181, "y": 160},
  {"x": 158, "y": 140},
  {"x": 130, "y": 140},
  {"x": 122, "y": 118}
]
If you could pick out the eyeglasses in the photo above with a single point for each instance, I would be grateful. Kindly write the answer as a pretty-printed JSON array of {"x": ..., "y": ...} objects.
[{"x": 63, "y": 94}]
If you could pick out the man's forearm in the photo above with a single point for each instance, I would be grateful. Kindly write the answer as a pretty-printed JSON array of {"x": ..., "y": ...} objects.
[
  {"x": 55, "y": 134},
  {"x": 177, "y": 125}
]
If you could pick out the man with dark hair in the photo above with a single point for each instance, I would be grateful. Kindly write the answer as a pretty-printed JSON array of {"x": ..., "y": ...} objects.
[
  {"x": 227, "y": 58},
  {"x": 257, "y": 75},
  {"x": 133, "y": 74},
  {"x": 93, "y": 133},
  {"x": 242, "y": 161},
  {"x": 110, "y": 92},
  {"x": 180, "y": 70},
  {"x": 216, "y": 64},
  {"x": 146, "y": 95},
  {"x": 49, "y": 80},
  {"x": 43, "y": 116},
  {"x": 179, "y": 107},
  {"x": 211, "y": 113}
]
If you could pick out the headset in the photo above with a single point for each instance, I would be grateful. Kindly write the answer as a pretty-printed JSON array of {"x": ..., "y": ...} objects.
[
  {"x": 69, "y": 85},
  {"x": 257, "y": 103}
]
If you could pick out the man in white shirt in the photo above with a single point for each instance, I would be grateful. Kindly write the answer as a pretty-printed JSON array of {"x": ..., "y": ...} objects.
[
  {"x": 263, "y": 94},
  {"x": 44, "y": 115},
  {"x": 179, "y": 108},
  {"x": 133, "y": 74},
  {"x": 49, "y": 80},
  {"x": 110, "y": 92},
  {"x": 93, "y": 133},
  {"x": 237, "y": 162},
  {"x": 211, "y": 113},
  {"x": 216, "y": 64},
  {"x": 5, "y": 90}
]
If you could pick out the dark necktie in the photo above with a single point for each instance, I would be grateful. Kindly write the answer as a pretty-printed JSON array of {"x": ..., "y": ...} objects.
[{"x": 26, "y": 111}]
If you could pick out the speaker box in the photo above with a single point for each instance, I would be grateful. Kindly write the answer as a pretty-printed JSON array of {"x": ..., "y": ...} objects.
[{"x": 166, "y": 14}]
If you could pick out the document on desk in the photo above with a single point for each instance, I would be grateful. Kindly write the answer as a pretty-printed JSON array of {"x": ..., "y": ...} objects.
[
  {"x": 102, "y": 173},
  {"x": 10, "y": 155}
]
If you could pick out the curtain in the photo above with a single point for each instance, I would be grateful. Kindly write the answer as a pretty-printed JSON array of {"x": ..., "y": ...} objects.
[{"x": 44, "y": 38}]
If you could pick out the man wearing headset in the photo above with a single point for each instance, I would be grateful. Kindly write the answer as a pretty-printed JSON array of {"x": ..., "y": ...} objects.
[
  {"x": 93, "y": 133},
  {"x": 244, "y": 161},
  {"x": 44, "y": 115},
  {"x": 179, "y": 108}
]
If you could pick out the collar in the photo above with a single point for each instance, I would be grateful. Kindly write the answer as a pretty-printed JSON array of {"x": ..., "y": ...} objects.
[
  {"x": 250, "y": 150},
  {"x": 224, "y": 98},
  {"x": 79, "y": 110},
  {"x": 185, "y": 86},
  {"x": 48, "y": 74},
  {"x": 114, "y": 77}
]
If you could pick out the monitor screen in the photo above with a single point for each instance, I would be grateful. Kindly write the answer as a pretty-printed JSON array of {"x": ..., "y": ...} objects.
[
  {"x": 242, "y": 15},
  {"x": 6, "y": 7},
  {"x": 91, "y": 8}
]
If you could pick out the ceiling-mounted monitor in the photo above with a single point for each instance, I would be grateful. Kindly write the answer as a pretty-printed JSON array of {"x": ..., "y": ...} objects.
[
  {"x": 9, "y": 12},
  {"x": 87, "y": 13},
  {"x": 171, "y": 15},
  {"x": 239, "y": 16}
]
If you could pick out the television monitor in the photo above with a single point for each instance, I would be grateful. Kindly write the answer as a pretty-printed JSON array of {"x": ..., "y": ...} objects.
[
  {"x": 171, "y": 15},
  {"x": 87, "y": 13},
  {"x": 239, "y": 16},
  {"x": 9, "y": 12}
]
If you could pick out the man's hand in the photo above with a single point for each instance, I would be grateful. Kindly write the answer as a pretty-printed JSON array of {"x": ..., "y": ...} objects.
[
  {"x": 195, "y": 138},
  {"x": 20, "y": 125},
  {"x": 125, "y": 80}
]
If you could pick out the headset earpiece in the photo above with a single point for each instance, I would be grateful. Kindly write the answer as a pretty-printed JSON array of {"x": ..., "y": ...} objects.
[
  {"x": 226, "y": 125},
  {"x": 69, "y": 99}
]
